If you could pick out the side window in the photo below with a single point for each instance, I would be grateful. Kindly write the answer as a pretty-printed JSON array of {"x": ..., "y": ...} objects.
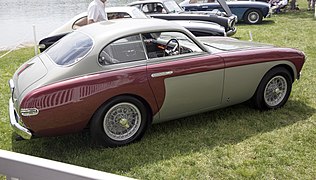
[
  {"x": 123, "y": 50},
  {"x": 148, "y": 8},
  {"x": 162, "y": 44},
  {"x": 160, "y": 9},
  {"x": 80, "y": 22},
  {"x": 118, "y": 15},
  {"x": 201, "y": 1},
  {"x": 153, "y": 8}
]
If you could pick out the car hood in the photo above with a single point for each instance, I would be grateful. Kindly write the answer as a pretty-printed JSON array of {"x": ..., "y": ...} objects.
[
  {"x": 28, "y": 74},
  {"x": 247, "y": 4},
  {"x": 225, "y": 7},
  {"x": 222, "y": 3},
  {"x": 220, "y": 44},
  {"x": 199, "y": 24}
]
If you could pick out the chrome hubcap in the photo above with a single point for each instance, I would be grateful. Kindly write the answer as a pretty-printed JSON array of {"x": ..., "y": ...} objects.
[
  {"x": 253, "y": 17},
  {"x": 122, "y": 121},
  {"x": 275, "y": 91}
]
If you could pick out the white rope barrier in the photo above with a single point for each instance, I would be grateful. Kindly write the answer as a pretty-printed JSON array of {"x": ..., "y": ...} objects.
[
  {"x": 14, "y": 48},
  {"x": 20, "y": 43}
]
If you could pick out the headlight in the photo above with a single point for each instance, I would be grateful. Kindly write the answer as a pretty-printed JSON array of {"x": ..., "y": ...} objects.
[{"x": 231, "y": 23}]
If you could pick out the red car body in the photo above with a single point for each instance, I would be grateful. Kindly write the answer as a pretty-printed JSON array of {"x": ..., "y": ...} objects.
[{"x": 167, "y": 88}]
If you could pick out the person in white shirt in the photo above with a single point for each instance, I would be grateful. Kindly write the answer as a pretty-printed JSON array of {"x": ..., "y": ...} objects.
[{"x": 96, "y": 11}]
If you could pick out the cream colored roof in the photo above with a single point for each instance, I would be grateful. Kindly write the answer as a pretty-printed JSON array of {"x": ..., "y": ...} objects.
[{"x": 107, "y": 31}]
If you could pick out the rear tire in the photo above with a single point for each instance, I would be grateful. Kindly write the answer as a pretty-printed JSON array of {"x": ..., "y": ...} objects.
[
  {"x": 253, "y": 16},
  {"x": 273, "y": 90},
  {"x": 119, "y": 122}
]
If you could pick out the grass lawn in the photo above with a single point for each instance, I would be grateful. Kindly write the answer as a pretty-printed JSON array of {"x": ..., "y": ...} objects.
[{"x": 233, "y": 143}]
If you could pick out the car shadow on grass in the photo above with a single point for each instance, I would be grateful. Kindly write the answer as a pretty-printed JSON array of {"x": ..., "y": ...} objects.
[
  {"x": 168, "y": 140},
  {"x": 264, "y": 22}
]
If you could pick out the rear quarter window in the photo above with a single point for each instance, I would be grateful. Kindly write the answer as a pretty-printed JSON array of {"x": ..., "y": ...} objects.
[{"x": 70, "y": 49}]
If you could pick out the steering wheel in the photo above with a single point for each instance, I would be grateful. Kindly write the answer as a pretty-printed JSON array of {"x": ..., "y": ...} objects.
[{"x": 175, "y": 50}]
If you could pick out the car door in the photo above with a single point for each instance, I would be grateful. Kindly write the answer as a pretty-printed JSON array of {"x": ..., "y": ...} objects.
[{"x": 186, "y": 80}]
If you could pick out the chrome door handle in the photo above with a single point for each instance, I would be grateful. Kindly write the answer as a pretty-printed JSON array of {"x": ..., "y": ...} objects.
[{"x": 161, "y": 74}]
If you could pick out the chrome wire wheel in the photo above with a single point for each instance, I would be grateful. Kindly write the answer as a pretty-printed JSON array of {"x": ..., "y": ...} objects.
[
  {"x": 122, "y": 121},
  {"x": 275, "y": 91}
]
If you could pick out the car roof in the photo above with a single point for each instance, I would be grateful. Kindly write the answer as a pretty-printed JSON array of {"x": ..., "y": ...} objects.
[
  {"x": 113, "y": 29},
  {"x": 120, "y": 9},
  {"x": 147, "y": 1}
]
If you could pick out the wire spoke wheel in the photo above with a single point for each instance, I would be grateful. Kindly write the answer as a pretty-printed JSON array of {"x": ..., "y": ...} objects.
[
  {"x": 275, "y": 91},
  {"x": 122, "y": 121}
]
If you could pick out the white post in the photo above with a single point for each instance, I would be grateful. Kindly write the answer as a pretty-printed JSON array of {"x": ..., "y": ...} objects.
[
  {"x": 35, "y": 41},
  {"x": 250, "y": 35},
  {"x": 315, "y": 12}
]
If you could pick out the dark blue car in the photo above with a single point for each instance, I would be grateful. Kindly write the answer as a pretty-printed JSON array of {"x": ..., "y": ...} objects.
[{"x": 248, "y": 11}]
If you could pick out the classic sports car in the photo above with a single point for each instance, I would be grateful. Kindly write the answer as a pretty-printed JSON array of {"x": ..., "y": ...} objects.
[
  {"x": 250, "y": 12},
  {"x": 170, "y": 10},
  {"x": 198, "y": 28},
  {"x": 117, "y": 79}
]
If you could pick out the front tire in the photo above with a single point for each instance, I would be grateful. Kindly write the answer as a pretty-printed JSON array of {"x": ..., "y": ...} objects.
[
  {"x": 273, "y": 90},
  {"x": 253, "y": 16},
  {"x": 119, "y": 122}
]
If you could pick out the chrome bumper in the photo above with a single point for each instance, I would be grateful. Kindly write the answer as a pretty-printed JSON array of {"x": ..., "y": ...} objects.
[
  {"x": 14, "y": 121},
  {"x": 231, "y": 32},
  {"x": 14, "y": 118}
]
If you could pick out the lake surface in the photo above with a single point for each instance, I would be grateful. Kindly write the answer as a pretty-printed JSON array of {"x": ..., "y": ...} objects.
[{"x": 17, "y": 18}]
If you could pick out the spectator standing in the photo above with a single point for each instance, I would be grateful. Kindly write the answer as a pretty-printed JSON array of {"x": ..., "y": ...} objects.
[
  {"x": 311, "y": 4},
  {"x": 96, "y": 11},
  {"x": 277, "y": 5}
]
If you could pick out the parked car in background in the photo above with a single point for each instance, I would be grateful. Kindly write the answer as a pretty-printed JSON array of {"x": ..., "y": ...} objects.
[
  {"x": 170, "y": 10},
  {"x": 251, "y": 12},
  {"x": 116, "y": 79},
  {"x": 198, "y": 28}
]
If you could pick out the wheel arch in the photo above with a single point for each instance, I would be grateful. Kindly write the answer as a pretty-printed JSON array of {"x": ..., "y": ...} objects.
[
  {"x": 253, "y": 8},
  {"x": 256, "y": 100},
  {"x": 141, "y": 99},
  {"x": 285, "y": 66}
]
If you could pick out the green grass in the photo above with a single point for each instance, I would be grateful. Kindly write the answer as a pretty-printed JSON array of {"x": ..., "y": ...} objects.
[{"x": 233, "y": 143}]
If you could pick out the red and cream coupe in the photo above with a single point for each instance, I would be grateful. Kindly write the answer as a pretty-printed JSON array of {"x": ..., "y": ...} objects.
[{"x": 118, "y": 77}]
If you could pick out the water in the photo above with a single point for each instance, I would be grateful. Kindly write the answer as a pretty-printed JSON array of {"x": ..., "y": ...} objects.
[{"x": 17, "y": 18}]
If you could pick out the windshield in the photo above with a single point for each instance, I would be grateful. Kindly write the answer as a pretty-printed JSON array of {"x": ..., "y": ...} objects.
[
  {"x": 172, "y": 6},
  {"x": 138, "y": 14},
  {"x": 70, "y": 49}
]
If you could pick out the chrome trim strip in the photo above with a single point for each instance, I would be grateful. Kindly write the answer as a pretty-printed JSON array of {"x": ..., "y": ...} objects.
[
  {"x": 161, "y": 74},
  {"x": 29, "y": 112},
  {"x": 20, "y": 130}
]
